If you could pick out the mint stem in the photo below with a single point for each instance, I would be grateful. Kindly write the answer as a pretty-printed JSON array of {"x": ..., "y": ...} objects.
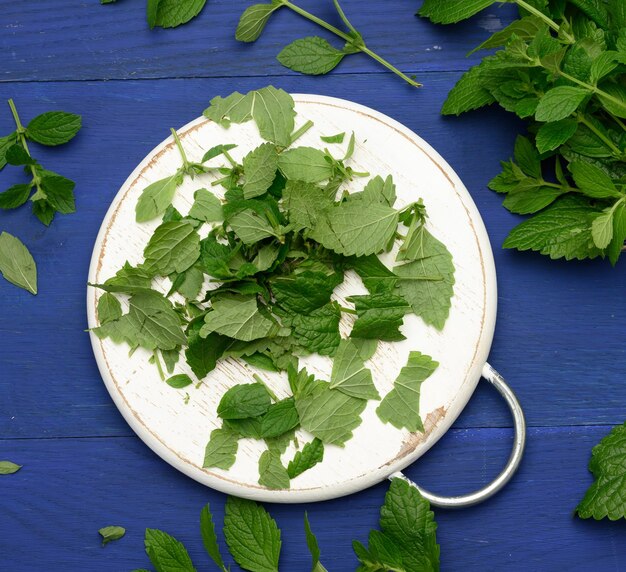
[
  {"x": 535, "y": 12},
  {"x": 350, "y": 40},
  {"x": 348, "y": 310},
  {"x": 180, "y": 148},
  {"x": 258, "y": 378},
  {"x": 157, "y": 361},
  {"x": 589, "y": 125},
  {"x": 229, "y": 157},
  {"x": 22, "y": 139},
  {"x": 300, "y": 132}
]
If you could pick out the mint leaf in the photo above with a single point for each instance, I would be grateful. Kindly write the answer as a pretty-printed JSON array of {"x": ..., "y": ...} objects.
[
  {"x": 379, "y": 316},
  {"x": 305, "y": 164},
  {"x": 352, "y": 228},
  {"x": 304, "y": 202},
  {"x": 217, "y": 151},
  {"x": 111, "y": 533},
  {"x": 221, "y": 450},
  {"x": 17, "y": 264},
  {"x": 400, "y": 406},
  {"x": 527, "y": 157},
  {"x": 202, "y": 353},
  {"x": 251, "y": 227},
  {"x": 8, "y": 468},
  {"x": 174, "y": 247},
  {"x": 155, "y": 198},
  {"x": 312, "y": 454},
  {"x": 173, "y": 13},
  {"x": 128, "y": 279},
  {"x": 314, "y": 549},
  {"x": 553, "y": 135},
  {"x": 179, "y": 381},
  {"x": 238, "y": 317},
  {"x": 333, "y": 138},
  {"x": 316, "y": 331},
  {"x": 206, "y": 207},
  {"x": 259, "y": 168},
  {"x": 452, "y": 11},
  {"x": 152, "y": 10},
  {"x": 209, "y": 538},
  {"x": 53, "y": 128},
  {"x": 467, "y": 94},
  {"x": 243, "y": 401},
  {"x": 59, "y": 192},
  {"x": 109, "y": 308},
  {"x": 430, "y": 299},
  {"x": 329, "y": 414},
  {"x": 305, "y": 291},
  {"x": 563, "y": 230},
  {"x": 166, "y": 553},
  {"x": 253, "y": 21},
  {"x": 312, "y": 55},
  {"x": 273, "y": 112},
  {"x": 593, "y": 181},
  {"x": 14, "y": 196},
  {"x": 280, "y": 418},
  {"x": 606, "y": 498},
  {"x": 528, "y": 201},
  {"x": 602, "y": 229},
  {"x": 252, "y": 535},
  {"x": 375, "y": 275},
  {"x": 5, "y": 143},
  {"x": 619, "y": 233},
  {"x": 235, "y": 108},
  {"x": 560, "y": 102},
  {"x": 349, "y": 374},
  {"x": 380, "y": 190},
  {"x": 272, "y": 474}
]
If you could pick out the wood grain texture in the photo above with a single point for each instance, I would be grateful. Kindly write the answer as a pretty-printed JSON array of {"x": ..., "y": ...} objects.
[
  {"x": 557, "y": 335},
  {"x": 69, "y": 488},
  {"x": 83, "y": 40}
]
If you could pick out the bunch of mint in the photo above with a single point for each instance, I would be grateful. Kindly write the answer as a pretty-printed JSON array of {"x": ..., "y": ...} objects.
[
  {"x": 251, "y": 277},
  {"x": 562, "y": 67}
]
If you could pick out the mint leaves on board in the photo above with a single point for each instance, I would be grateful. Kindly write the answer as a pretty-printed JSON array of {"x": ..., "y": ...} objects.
[
  {"x": 169, "y": 13},
  {"x": 252, "y": 277},
  {"x": 311, "y": 55},
  {"x": 606, "y": 497},
  {"x": 48, "y": 192},
  {"x": 111, "y": 533},
  {"x": 406, "y": 542},
  {"x": 560, "y": 67}
]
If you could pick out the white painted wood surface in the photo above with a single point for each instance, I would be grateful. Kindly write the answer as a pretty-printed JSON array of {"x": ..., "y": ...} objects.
[{"x": 178, "y": 432}]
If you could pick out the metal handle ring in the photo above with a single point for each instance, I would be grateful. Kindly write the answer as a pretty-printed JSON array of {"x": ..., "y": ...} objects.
[{"x": 493, "y": 377}]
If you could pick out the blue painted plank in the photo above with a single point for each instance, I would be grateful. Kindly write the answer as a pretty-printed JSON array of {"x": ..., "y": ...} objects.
[
  {"x": 69, "y": 488},
  {"x": 83, "y": 40},
  {"x": 559, "y": 336}
]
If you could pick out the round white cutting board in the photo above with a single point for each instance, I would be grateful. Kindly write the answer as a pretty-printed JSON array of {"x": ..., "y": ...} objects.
[{"x": 178, "y": 430}]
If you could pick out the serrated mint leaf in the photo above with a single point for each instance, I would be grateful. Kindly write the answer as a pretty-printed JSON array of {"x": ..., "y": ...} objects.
[
  {"x": 14, "y": 196},
  {"x": 602, "y": 229},
  {"x": 17, "y": 264},
  {"x": 166, "y": 553},
  {"x": 253, "y": 21},
  {"x": 273, "y": 112},
  {"x": 553, "y": 135},
  {"x": 8, "y": 468},
  {"x": 375, "y": 275},
  {"x": 333, "y": 138},
  {"x": 560, "y": 102},
  {"x": 251, "y": 227},
  {"x": 379, "y": 316},
  {"x": 128, "y": 279},
  {"x": 430, "y": 298},
  {"x": 243, "y": 401},
  {"x": 615, "y": 100},
  {"x": 172, "y": 13},
  {"x": 5, "y": 143},
  {"x": 563, "y": 230},
  {"x": 401, "y": 405},
  {"x": 202, "y": 353},
  {"x": 221, "y": 450},
  {"x": 111, "y": 533},
  {"x": 606, "y": 498},
  {"x": 179, "y": 381},
  {"x": 109, "y": 308},
  {"x": 238, "y": 317},
  {"x": 349, "y": 374},
  {"x": 235, "y": 108},
  {"x": 304, "y": 202},
  {"x": 53, "y": 127},
  {"x": 312, "y": 454},
  {"x": 152, "y": 10},
  {"x": 16, "y": 155},
  {"x": 305, "y": 164},
  {"x": 252, "y": 535},
  {"x": 170, "y": 359},
  {"x": 206, "y": 207},
  {"x": 352, "y": 228},
  {"x": 280, "y": 418},
  {"x": 452, "y": 11},
  {"x": 189, "y": 283},
  {"x": 528, "y": 201},
  {"x": 380, "y": 190},
  {"x": 272, "y": 474},
  {"x": 329, "y": 414},
  {"x": 593, "y": 181},
  {"x": 156, "y": 197},
  {"x": 217, "y": 151},
  {"x": 209, "y": 538},
  {"x": 619, "y": 234},
  {"x": 305, "y": 291},
  {"x": 312, "y": 55},
  {"x": 467, "y": 94},
  {"x": 527, "y": 157},
  {"x": 174, "y": 247},
  {"x": 314, "y": 549},
  {"x": 316, "y": 331},
  {"x": 259, "y": 167},
  {"x": 44, "y": 211},
  {"x": 59, "y": 192}
]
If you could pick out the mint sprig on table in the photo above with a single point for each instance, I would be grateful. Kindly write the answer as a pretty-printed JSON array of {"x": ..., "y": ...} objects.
[
  {"x": 169, "y": 13},
  {"x": 406, "y": 542},
  {"x": 606, "y": 498},
  {"x": 561, "y": 67},
  {"x": 311, "y": 55},
  {"x": 251, "y": 276}
]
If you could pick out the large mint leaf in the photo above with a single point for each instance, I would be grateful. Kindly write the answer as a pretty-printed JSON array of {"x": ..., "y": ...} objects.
[
  {"x": 174, "y": 247},
  {"x": 379, "y": 316},
  {"x": 221, "y": 450},
  {"x": 259, "y": 167},
  {"x": 172, "y": 13},
  {"x": 304, "y": 202},
  {"x": 316, "y": 331},
  {"x": 17, "y": 264},
  {"x": 244, "y": 401},
  {"x": 305, "y": 164},
  {"x": 272, "y": 473},
  {"x": 166, "y": 553},
  {"x": 311, "y": 55},
  {"x": 349, "y": 374},
  {"x": 156, "y": 197}
]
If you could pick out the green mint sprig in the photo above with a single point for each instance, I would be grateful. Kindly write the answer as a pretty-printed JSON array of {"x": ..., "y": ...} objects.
[
  {"x": 561, "y": 67},
  {"x": 312, "y": 55}
]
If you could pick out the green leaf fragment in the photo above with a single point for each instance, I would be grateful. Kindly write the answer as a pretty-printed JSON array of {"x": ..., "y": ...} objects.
[
  {"x": 8, "y": 468},
  {"x": 173, "y": 13},
  {"x": 209, "y": 537},
  {"x": 560, "y": 102},
  {"x": 221, "y": 450},
  {"x": 380, "y": 316},
  {"x": 452, "y": 11},
  {"x": 349, "y": 374},
  {"x": 272, "y": 473},
  {"x": 312, "y": 454},
  {"x": 280, "y": 418},
  {"x": 109, "y": 308},
  {"x": 156, "y": 197},
  {"x": 206, "y": 207},
  {"x": 111, "y": 533},
  {"x": 179, "y": 381}
]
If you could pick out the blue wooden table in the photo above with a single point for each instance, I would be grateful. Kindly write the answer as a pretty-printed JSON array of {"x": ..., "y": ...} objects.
[{"x": 559, "y": 338}]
